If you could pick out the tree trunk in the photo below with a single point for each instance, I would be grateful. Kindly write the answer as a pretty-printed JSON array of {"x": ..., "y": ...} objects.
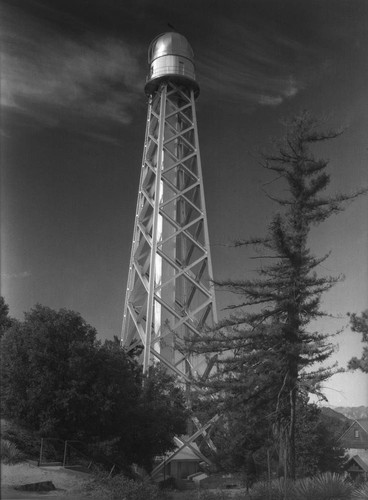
[{"x": 291, "y": 435}]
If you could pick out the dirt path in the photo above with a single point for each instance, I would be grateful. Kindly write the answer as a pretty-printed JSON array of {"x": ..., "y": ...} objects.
[{"x": 64, "y": 480}]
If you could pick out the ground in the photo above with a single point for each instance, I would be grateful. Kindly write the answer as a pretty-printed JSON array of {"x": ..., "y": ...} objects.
[{"x": 65, "y": 481}]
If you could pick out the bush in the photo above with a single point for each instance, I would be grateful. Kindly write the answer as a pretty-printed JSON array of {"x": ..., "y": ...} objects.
[
  {"x": 274, "y": 490},
  {"x": 322, "y": 487},
  {"x": 360, "y": 493},
  {"x": 27, "y": 442},
  {"x": 119, "y": 487},
  {"x": 212, "y": 495},
  {"x": 10, "y": 454}
]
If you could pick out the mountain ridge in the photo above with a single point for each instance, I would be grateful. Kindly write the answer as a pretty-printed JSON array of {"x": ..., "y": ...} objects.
[{"x": 350, "y": 412}]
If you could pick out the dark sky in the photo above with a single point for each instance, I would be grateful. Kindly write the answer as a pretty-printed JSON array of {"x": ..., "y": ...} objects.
[{"x": 72, "y": 131}]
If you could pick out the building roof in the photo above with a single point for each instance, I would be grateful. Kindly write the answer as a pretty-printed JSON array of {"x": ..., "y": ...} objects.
[
  {"x": 358, "y": 460},
  {"x": 363, "y": 422},
  {"x": 187, "y": 454}
]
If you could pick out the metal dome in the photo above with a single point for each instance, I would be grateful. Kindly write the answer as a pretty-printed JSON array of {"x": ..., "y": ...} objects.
[
  {"x": 170, "y": 44},
  {"x": 170, "y": 57}
]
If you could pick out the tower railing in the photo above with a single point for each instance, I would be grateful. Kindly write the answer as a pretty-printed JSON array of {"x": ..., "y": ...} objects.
[{"x": 172, "y": 70}]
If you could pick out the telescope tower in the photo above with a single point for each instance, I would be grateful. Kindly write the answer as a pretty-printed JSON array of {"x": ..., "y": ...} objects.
[{"x": 170, "y": 295}]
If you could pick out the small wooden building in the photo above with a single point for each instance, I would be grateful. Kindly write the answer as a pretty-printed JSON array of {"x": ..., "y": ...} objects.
[
  {"x": 356, "y": 436},
  {"x": 355, "y": 440},
  {"x": 184, "y": 464},
  {"x": 357, "y": 469}
]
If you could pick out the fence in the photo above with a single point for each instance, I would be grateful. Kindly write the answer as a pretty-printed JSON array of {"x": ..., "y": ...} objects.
[{"x": 56, "y": 452}]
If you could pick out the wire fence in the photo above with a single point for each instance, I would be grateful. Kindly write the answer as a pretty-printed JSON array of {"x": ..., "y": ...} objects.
[{"x": 72, "y": 454}]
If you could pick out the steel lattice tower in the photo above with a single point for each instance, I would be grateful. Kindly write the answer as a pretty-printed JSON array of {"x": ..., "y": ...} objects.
[{"x": 170, "y": 295}]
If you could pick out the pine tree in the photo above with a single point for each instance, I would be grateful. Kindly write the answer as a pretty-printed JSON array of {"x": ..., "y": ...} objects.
[
  {"x": 266, "y": 346},
  {"x": 5, "y": 320},
  {"x": 359, "y": 324}
]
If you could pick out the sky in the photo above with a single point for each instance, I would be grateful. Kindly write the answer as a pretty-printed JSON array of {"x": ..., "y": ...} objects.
[{"x": 73, "y": 113}]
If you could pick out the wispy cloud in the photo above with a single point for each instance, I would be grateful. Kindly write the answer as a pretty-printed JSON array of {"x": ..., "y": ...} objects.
[
  {"x": 20, "y": 275},
  {"x": 49, "y": 76},
  {"x": 257, "y": 67},
  {"x": 268, "y": 100}
]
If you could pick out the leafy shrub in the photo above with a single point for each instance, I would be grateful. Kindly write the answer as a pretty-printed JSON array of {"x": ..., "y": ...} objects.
[
  {"x": 322, "y": 487},
  {"x": 325, "y": 486},
  {"x": 10, "y": 454},
  {"x": 212, "y": 495},
  {"x": 274, "y": 490},
  {"x": 360, "y": 493},
  {"x": 26, "y": 441},
  {"x": 119, "y": 487}
]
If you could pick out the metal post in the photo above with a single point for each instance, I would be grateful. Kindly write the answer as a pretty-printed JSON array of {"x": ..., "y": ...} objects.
[
  {"x": 41, "y": 452},
  {"x": 111, "y": 471},
  {"x": 153, "y": 256},
  {"x": 269, "y": 473},
  {"x": 65, "y": 450}
]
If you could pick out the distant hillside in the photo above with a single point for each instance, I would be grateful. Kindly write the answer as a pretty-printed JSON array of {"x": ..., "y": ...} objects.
[
  {"x": 336, "y": 422},
  {"x": 335, "y": 414},
  {"x": 354, "y": 413},
  {"x": 340, "y": 418}
]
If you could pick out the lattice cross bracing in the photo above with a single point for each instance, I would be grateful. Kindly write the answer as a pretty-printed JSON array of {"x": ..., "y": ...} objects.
[{"x": 170, "y": 294}]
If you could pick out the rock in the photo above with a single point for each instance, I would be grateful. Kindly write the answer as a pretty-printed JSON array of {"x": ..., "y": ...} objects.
[{"x": 41, "y": 486}]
